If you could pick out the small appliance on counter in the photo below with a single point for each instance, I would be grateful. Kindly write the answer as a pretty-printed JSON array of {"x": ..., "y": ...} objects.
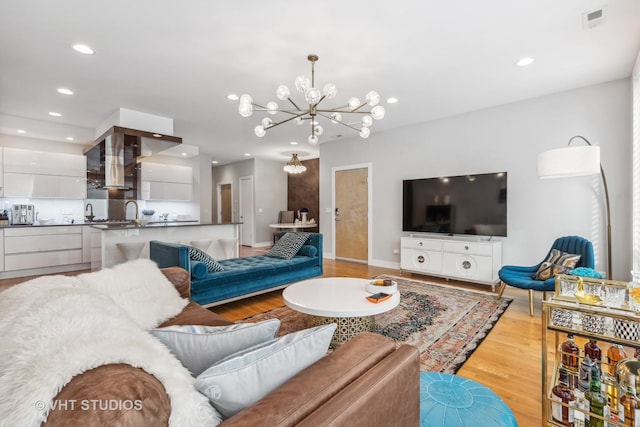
[
  {"x": 22, "y": 214},
  {"x": 4, "y": 217}
]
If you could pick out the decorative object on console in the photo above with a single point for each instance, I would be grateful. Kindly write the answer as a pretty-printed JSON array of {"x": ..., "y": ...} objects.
[
  {"x": 294, "y": 166},
  {"x": 314, "y": 96},
  {"x": 577, "y": 161}
]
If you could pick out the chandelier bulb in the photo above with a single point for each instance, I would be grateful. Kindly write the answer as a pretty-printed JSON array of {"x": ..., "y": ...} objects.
[
  {"x": 353, "y": 103},
  {"x": 259, "y": 130},
  {"x": 364, "y": 132},
  {"x": 246, "y": 99},
  {"x": 377, "y": 112},
  {"x": 283, "y": 92},
  {"x": 318, "y": 130},
  {"x": 272, "y": 107},
  {"x": 330, "y": 90},
  {"x": 367, "y": 121},
  {"x": 313, "y": 140},
  {"x": 336, "y": 117},
  {"x": 313, "y": 96},
  {"x": 299, "y": 121},
  {"x": 373, "y": 98},
  {"x": 302, "y": 83},
  {"x": 245, "y": 110},
  {"x": 266, "y": 122}
]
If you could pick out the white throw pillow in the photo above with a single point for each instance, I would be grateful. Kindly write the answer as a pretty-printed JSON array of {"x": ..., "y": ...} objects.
[
  {"x": 199, "y": 347},
  {"x": 242, "y": 379},
  {"x": 140, "y": 288}
]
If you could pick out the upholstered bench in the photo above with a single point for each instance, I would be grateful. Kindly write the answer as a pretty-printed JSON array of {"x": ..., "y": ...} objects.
[{"x": 450, "y": 401}]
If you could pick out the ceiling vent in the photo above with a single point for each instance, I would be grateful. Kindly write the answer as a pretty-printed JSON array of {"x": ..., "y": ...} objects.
[{"x": 594, "y": 18}]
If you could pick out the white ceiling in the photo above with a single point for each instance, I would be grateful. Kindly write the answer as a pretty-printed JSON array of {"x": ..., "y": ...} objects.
[{"x": 180, "y": 59}]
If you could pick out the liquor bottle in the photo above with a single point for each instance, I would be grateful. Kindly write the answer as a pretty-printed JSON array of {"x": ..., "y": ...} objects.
[
  {"x": 562, "y": 414},
  {"x": 570, "y": 360},
  {"x": 584, "y": 375},
  {"x": 593, "y": 350},
  {"x": 629, "y": 406},
  {"x": 615, "y": 353},
  {"x": 596, "y": 399}
]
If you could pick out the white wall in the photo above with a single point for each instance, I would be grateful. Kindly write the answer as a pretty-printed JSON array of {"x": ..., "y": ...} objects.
[
  {"x": 506, "y": 138},
  {"x": 270, "y": 192}
]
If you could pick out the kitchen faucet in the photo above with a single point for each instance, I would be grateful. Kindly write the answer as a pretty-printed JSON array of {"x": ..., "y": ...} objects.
[
  {"x": 125, "y": 208},
  {"x": 90, "y": 207}
]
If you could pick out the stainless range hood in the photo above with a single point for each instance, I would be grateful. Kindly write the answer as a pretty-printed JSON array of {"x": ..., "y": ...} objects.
[
  {"x": 114, "y": 163},
  {"x": 112, "y": 159}
]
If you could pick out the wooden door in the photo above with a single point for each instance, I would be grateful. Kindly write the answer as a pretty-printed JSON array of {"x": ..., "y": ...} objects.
[
  {"x": 352, "y": 214},
  {"x": 225, "y": 203}
]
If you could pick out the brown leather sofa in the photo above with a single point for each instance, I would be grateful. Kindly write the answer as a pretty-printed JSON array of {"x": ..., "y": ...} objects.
[{"x": 365, "y": 382}]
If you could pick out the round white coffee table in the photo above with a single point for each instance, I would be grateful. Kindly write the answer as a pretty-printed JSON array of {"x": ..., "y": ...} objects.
[{"x": 340, "y": 300}]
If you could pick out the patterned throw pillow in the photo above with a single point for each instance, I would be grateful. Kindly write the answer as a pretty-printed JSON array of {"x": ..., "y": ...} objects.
[
  {"x": 558, "y": 262},
  {"x": 196, "y": 254},
  {"x": 288, "y": 245}
]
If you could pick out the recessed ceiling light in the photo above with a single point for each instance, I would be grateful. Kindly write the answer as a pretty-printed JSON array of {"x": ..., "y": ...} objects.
[
  {"x": 392, "y": 100},
  {"x": 184, "y": 154},
  {"x": 70, "y": 138},
  {"x": 293, "y": 143},
  {"x": 65, "y": 91},
  {"x": 21, "y": 131},
  {"x": 215, "y": 162},
  {"x": 83, "y": 48},
  {"x": 523, "y": 62},
  {"x": 54, "y": 114},
  {"x": 233, "y": 97},
  {"x": 247, "y": 154}
]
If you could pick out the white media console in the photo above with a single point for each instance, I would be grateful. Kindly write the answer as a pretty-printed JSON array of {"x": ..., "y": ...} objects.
[{"x": 457, "y": 258}]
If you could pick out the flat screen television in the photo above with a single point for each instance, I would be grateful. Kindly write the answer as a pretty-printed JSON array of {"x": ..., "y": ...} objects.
[{"x": 465, "y": 204}]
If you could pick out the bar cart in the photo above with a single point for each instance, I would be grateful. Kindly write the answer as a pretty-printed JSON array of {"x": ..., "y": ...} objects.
[{"x": 589, "y": 309}]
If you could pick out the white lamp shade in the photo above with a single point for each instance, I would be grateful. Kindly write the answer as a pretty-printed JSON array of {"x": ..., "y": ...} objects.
[{"x": 569, "y": 161}]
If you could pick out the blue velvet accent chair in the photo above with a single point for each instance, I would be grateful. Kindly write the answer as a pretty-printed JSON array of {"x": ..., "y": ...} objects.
[{"x": 522, "y": 277}]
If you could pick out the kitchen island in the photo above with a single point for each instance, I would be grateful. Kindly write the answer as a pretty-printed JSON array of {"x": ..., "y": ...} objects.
[{"x": 114, "y": 243}]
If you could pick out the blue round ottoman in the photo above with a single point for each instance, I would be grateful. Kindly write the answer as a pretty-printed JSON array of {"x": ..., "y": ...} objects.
[{"x": 452, "y": 401}]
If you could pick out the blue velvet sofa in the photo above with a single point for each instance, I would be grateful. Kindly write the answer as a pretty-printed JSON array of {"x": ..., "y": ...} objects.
[{"x": 241, "y": 277}]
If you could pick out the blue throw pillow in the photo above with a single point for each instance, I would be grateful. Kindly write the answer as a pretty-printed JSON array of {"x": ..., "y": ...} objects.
[
  {"x": 308, "y": 250},
  {"x": 198, "y": 270},
  {"x": 196, "y": 254}
]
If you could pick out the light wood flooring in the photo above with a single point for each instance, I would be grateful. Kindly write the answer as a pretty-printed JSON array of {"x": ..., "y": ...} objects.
[{"x": 508, "y": 361}]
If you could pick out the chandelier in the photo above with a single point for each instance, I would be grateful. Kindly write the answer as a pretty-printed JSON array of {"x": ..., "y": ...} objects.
[
  {"x": 294, "y": 166},
  {"x": 367, "y": 109}
]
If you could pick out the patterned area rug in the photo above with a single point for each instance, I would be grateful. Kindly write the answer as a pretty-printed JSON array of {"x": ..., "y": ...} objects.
[{"x": 447, "y": 324}]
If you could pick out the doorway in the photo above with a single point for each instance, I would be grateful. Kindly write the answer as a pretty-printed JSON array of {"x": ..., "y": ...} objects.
[
  {"x": 352, "y": 203},
  {"x": 224, "y": 203},
  {"x": 246, "y": 211}
]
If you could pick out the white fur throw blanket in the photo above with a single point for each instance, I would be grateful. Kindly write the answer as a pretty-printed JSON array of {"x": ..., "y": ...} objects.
[{"x": 54, "y": 328}]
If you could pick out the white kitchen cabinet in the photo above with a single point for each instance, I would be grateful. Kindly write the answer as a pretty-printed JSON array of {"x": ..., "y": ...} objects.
[
  {"x": 44, "y": 186},
  {"x": 37, "y": 247},
  {"x": 468, "y": 260},
  {"x": 39, "y": 174},
  {"x": 166, "y": 182}
]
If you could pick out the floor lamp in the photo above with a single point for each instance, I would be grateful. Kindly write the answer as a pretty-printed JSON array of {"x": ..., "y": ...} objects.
[{"x": 577, "y": 161}]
